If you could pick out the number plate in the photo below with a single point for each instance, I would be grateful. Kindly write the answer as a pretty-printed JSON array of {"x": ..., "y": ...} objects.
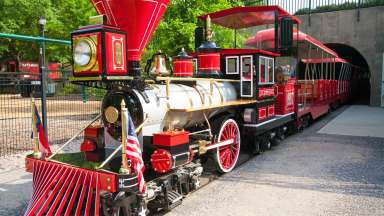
[{"x": 35, "y": 82}]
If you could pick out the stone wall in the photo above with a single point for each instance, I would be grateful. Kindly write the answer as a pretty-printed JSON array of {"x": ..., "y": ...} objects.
[{"x": 366, "y": 35}]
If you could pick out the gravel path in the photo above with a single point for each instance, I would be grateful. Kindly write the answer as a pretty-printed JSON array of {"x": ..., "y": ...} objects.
[{"x": 308, "y": 174}]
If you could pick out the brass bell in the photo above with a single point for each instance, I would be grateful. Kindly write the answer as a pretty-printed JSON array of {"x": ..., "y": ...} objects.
[{"x": 160, "y": 67}]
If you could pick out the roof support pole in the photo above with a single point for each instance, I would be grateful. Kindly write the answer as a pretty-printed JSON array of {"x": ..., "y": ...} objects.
[
  {"x": 322, "y": 65},
  {"x": 309, "y": 12},
  {"x": 276, "y": 31}
]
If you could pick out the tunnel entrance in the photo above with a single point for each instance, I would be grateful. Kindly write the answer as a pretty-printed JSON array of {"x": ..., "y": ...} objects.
[{"x": 360, "y": 81}]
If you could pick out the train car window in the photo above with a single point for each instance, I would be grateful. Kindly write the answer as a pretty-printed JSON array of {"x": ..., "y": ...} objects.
[
  {"x": 271, "y": 67},
  {"x": 246, "y": 76},
  {"x": 287, "y": 65},
  {"x": 266, "y": 70},
  {"x": 262, "y": 63},
  {"x": 232, "y": 65}
]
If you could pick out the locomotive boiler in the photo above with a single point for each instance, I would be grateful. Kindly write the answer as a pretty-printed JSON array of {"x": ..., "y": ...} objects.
[{"x": 165, "y": 110}]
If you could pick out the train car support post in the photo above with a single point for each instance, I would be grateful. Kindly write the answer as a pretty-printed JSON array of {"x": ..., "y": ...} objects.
[{"x": 43, "y": 74}]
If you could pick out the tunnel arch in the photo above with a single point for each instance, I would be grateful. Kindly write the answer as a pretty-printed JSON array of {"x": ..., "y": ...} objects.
[{"x": 360, "y": 82}]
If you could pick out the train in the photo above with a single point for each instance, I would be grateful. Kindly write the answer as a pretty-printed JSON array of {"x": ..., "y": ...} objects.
[
  {"x": 198, "y": 115},
  {"x": 25, "y": 74}
]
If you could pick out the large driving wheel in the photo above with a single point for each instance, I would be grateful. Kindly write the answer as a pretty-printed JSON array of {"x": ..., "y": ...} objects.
[{"x": 226, "y": 156}]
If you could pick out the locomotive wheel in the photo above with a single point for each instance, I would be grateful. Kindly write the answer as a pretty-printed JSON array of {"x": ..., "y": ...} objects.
[
  {"x": 266, "y": 145},
  {"x": 226, "y": 157}
]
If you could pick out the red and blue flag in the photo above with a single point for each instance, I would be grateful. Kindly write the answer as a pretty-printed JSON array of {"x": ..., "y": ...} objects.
[{"x": 43, "y": 140}]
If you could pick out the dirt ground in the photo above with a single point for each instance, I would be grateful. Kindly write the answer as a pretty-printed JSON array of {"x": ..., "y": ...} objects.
[
  {"x": 15, "y": 106},
  {"x": 65, "y": 115}
]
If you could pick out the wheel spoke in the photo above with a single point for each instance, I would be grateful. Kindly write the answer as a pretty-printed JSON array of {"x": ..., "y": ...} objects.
[{"x": 228, "y": 154}]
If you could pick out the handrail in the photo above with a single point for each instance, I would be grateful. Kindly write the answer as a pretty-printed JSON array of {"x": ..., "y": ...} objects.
[
  {"x": 34, "y": 39},
  {"x": 77, "y": 134},
  {"x": 138, "y": 129}
]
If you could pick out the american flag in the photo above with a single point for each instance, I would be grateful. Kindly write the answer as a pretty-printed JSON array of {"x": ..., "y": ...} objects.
[
  {"x": 43, "y": 141},
  {"x": 134, "y": 153}
]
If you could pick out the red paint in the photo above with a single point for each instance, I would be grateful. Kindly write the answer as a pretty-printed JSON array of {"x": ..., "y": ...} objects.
[
  {"x": 285, "y": 101},
  {"x": 139, "y": 18},
  {"x": 115, "y": 65},
  {"x": 262, "y": 113},
  {"x": 183, "y": 67},
  {"x": 107, "y": 181},
  {"x": 92, "y": 131},
  {"x": 271, "y": 111},
  {"x": 172, "y": 138},
  {"x": 228, "y": 154},
  {"x": 266, "y": 92},
  {"x": 324, "y": 60},
  {"x": 315, "y": 110},
  {"x": 31, "y": 71},
  {"x": 58, "y": 187},
  {"x": 87, "y": 146},
  {"x": 267, "y": 37},
  {"x": 161, "y": 161},
  {"x": 243, "y": 17},
  {"x": 209, "y": 62},
  {"x": 247, "y": 52}
]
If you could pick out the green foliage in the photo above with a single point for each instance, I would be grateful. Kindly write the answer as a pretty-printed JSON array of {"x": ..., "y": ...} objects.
[
  {"x": 95, "y": 93},
  {"x": 21, "y": 17},
  {"x": 177, "y": 28},
  {"x": 69, "y": 89},
  {"x": 77, "y": 159},
  {"x": 344, "y": 6}
]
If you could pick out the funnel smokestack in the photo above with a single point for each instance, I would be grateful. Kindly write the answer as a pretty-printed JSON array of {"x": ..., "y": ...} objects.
[{"x": 139, "y": 18}]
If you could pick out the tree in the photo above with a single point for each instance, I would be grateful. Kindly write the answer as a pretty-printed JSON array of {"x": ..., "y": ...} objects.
[
  {"x": 176, "y": 29},
  {"x": 21, "y": 17}
]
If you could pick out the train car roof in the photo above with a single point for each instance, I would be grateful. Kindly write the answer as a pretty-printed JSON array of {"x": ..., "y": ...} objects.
[
  {"x": 239, "y": 51},
  {"x": 244, "y": 17},
  {"x": 325, "y": 60},
  {"x": 268, "y": 35}
]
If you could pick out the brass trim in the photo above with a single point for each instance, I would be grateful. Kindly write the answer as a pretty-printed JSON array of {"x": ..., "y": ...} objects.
[
  {"x": 75, "y": 79},
  {"x": 119, "y": 78},
  {"x": 91, "y": 41},
  {"x": 194, "y": 79},
  {"x": 111, "y": 114},
  {"x": 227, "y": 104}
]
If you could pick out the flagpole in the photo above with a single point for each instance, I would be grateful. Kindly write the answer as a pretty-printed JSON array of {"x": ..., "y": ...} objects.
[
  {"x": 36, "y": 152},
  {"x": 125, "y": 169},
  {"x": 138, "y": 129}
]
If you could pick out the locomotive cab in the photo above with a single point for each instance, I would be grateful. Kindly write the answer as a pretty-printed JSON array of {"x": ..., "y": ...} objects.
[{"x": 254, "y": 68}]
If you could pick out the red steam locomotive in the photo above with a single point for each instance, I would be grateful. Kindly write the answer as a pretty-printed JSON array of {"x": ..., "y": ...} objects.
[{"x": 218, "y": 103}]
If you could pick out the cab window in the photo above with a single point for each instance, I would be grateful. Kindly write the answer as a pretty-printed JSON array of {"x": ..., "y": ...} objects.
[
  {"x": 232, "y": 63},
  {"x": 266, "y": 70}
]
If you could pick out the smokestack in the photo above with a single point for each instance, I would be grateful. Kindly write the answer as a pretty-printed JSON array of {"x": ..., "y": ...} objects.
[{"x": 138, "y": 18}]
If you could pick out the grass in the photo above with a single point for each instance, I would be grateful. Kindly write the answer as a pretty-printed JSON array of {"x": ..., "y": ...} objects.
[{"x": 76, "y": 159}]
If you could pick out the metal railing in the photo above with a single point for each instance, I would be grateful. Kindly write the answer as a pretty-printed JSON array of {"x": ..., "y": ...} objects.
[
  {"x": 69, "y": 108},
  {"x": 300, "y": 7}
]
